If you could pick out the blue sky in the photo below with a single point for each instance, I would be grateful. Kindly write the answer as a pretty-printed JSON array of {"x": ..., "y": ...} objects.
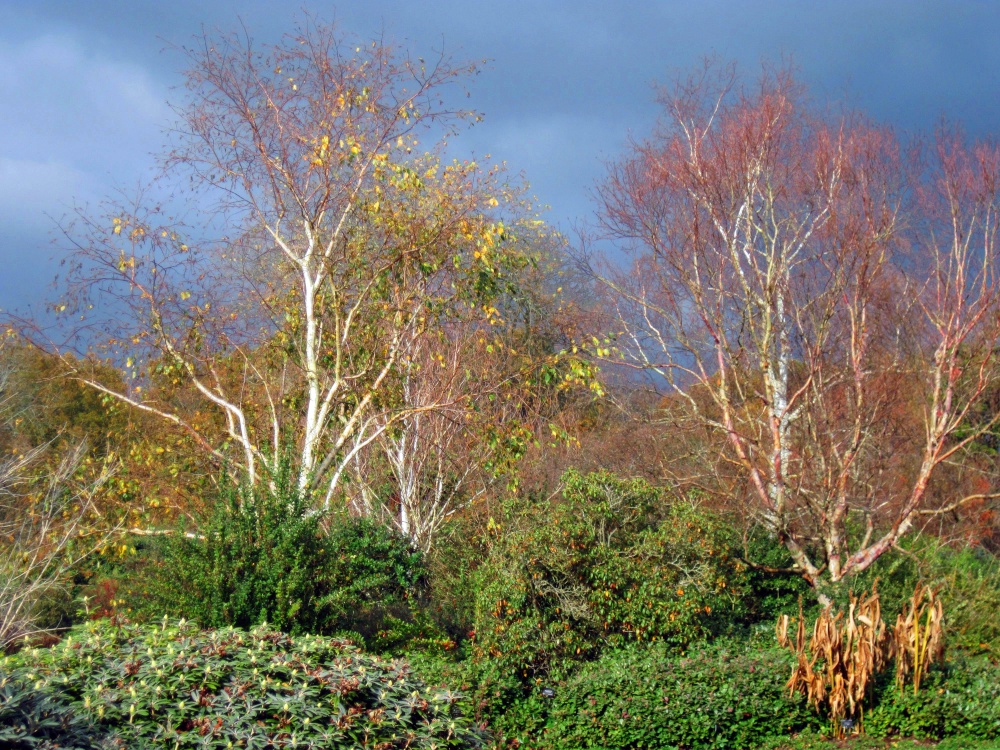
[{"x": 85, "y": 83}]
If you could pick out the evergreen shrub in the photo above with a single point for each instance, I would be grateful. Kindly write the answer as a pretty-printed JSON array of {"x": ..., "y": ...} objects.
[
  {"x": 614, "y": 561},
  {"x": 266, "y": 555},
  {"x": 711, "y": 697},
  {"x": 177, "y": 686}
]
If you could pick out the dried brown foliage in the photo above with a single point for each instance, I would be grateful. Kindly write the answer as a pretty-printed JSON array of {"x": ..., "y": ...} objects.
[
  {"x": 845, "y": 652},
  {"x": 835, "y": 669},
  {"x": 917, "y": 636}
]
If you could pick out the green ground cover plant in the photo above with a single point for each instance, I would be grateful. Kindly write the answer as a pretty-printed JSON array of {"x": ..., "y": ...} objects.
[
  {"x": 812, "y": 742},
  {"x": 711, "y": 697},
  {"x": 177, "y": 686}
]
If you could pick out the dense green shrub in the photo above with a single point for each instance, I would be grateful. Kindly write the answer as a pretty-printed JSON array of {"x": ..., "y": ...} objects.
[
  {"x": 648, "y": 697},
  {"x": 961, "y": 700},
  {"x": 614, "y": 561},
  {"x": 260, "y": 557},
  {"x": 460, "y": 548},
  {"x": 36, "y": 719},
  {"x": 267, "y": 555},
  {"x": 768, "y": 594},
  {"x": 376, "y": 579},
  {"x": 809, "y": 741},
  {"x": 178, "y": 686},
  {"x": 727, "y": 695}
]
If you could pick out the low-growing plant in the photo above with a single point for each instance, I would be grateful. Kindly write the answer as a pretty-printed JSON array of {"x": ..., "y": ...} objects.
[
  {"x": 34, "y": 719},
  {"x": 719, "y": 696},
  {"x": 177, "y": 686},
  {"x": 959, "y": 699}
]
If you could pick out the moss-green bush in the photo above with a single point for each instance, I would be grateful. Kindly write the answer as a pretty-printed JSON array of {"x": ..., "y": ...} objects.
[{"x": 177, "y": 686}]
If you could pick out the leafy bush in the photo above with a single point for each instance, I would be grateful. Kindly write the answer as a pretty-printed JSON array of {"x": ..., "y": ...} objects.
[
  {"x": 180, "y": 687},
  {"x": 613, "y": 562},
  {"x": 810, "y": 741},
  {"x": 266, "y": 555},
  {"x": 33, "y": 718},
  {"x": 731, "y": 694},
  {"x": 261, "y": 557},
  {"x": 961, "y": 700},
  {"x": 768, "y": 594},
  {"x": 376, "y": 578},
  {"x": 712, "y": 697}
]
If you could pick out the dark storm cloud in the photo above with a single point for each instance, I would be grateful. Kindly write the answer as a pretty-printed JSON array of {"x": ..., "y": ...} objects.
[{"x": 84, "y": 83}]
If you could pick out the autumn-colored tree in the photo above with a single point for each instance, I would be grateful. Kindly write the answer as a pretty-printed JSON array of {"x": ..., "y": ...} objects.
[
  {"x": 500, "y": 386},
  {"x": 801, "y": 285},
  {"x": 328, "y": 248}
]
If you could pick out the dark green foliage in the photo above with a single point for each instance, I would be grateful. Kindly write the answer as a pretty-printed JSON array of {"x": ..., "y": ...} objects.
[
  {"x": 615, "y": 561},
  {"x": 176, "y": 686},
  {"x": 727, "y": 695},
  {"x": 817, "y": 742},
  {"x": 375, "y": 579},
  {"x": 962, "y": 700},
  {"x": 438, "y": 670},
  {"x": 31, "y": 718},
  {"x": 266, "y": 555},
  {"x": 769, "y": 594},
  {"x": 459, "y": 550},
  {"x": 712, "y": 697},
  {"x": 646, "y": 696}
]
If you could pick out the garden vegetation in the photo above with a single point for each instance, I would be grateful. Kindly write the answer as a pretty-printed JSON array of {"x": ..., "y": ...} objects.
[{"x": 363, "y": 454}]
